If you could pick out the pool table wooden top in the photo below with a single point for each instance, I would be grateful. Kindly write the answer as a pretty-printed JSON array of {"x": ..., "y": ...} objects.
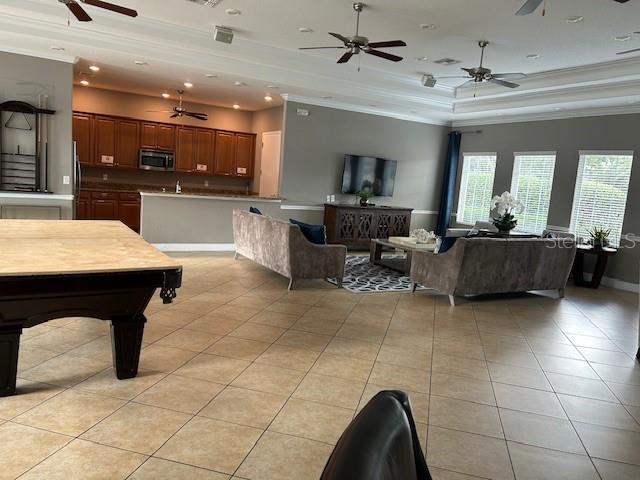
[{"x": 66, "y": 247}]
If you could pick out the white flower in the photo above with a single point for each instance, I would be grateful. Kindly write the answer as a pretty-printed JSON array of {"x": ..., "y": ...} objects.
[
  {"x": 422, "y": 236},
  {"x": 506, "y": 203}
]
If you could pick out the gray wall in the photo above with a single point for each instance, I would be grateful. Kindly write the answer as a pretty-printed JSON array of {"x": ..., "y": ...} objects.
[
  {"x": 28, "y": 79},
  {"x": 314, "y": 149},
  {"x": 269, "y": 120},
  {"x": 567, "y": 137}
]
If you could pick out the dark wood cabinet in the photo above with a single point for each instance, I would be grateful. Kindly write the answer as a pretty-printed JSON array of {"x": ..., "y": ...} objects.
[
  {"x": 97, "y": 205},
  {"x": 185, "y": 158},
  {"x": 127, "y": 143},
  {"x": 105, "y": 141},
  {"x": 356, "y": 226},
  {"x": 205, "y": 147},
  {"x": 158, "y": 135},
  {"x": 245, "y": 145},
  {"x": 224, "y": 160},
  {"x": 83, "y": 136},
  {"x": 115, "y": 142}
]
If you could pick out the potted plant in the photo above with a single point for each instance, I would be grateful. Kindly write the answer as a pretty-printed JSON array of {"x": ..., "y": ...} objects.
[
  {"x": 364, "y": 196},
  {"x": 599, "y": 237},
  {"x": 505, "y": 206}
]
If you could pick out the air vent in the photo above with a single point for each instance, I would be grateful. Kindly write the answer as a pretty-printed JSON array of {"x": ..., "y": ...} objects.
[
  {"x": 206, "y": 3},
  {"x": 446, "y": 61}
]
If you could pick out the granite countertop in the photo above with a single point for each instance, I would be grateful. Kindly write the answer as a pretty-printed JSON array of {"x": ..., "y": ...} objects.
[
  {"x": 211, "y": 195},
  {"x": 169, "y": 190}
]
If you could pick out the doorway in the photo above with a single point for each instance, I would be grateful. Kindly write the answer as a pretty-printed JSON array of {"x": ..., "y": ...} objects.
[{"x": 270, "y": 164}]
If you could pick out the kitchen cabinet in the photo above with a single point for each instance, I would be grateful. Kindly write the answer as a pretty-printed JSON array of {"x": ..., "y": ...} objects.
[
  {"x": 98, "y": 205},
  {"x": 127, "y": 144},
  {"x": 185, "y": 149},
  {"x": 104, "y": 206},
  {"x": 224, "y": 159},
  {"x": 83, "y": 136},
  {"x": 244, "y": 155},
  {"x": 83, "y": 206},
  {"x": 105, "y": 141},
  {"x": 129, "y": 210},
  {"x": 205, "y": 148},
  {"x": 158, "y": 136}
]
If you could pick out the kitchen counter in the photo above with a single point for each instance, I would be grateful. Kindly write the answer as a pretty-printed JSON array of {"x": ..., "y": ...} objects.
[
  {"x": 223, "y": 197},
  {"x": 141, "y": 187}
]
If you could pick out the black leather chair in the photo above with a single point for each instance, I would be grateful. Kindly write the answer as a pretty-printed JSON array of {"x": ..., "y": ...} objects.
[{"x": 381, "y": 443}]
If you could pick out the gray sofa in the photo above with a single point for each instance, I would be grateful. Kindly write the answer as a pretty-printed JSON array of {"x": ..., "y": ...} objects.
[
  {"x": 281, "y": 246},
  {"x": 477, "y": 266}
]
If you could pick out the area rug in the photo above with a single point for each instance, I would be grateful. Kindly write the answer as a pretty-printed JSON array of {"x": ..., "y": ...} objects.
[{"x": 360, "y": 276}]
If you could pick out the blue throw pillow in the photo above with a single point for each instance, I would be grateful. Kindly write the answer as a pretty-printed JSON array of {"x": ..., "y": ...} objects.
[
  {"x": 314, "y": 233},
  {"x": 255, "y": 210},
  {"x": 446, "y": 244}
]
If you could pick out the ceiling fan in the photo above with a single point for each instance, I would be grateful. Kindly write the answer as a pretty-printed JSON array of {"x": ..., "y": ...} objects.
[
  {"x": 357, "y": 43},
  {"x": 531, "y": 6},
  {"x": 482, "y": 74},
  {"x": 180, "y": 111},
  {"x": 83, "y": 16}
]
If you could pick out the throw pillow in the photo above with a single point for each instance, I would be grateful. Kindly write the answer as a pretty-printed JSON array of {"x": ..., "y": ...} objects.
[
  {"x": 314, "y": 233},
  {"x": 255, "y": 210},
  {"x": 446, "y": 244}
]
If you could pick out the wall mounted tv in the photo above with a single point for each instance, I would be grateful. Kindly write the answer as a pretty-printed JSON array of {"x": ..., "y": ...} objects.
[{"x": 369, "y": 173}]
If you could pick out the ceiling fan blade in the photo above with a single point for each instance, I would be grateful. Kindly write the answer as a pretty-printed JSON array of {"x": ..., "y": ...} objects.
[
  {"x": 504, "y": 83},
  {"x": 110, "y": 6},
  {"x": 392, "y": 43},
  {"x": 346, "y": 57},
  {"x": 509, "y": 76},
  {"x": 159, "y": 111},
  {"x": 529, "y": 7},
  {"x": 629, "y": 51},
  {"x": 445, "y": 78},
  {"x": 320, "y": 48},
  {"x": 175, "y": 115},
  {"x": 342, "y": 38},
  {"x": 622, "y": 1},
  {"x": 78, "y": 11},
  {"x": 199, "y": 116},
  {"x": 385, "y": 55}
]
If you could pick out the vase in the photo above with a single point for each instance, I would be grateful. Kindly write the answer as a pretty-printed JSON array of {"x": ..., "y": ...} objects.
[{"x": 363, "y": 202}]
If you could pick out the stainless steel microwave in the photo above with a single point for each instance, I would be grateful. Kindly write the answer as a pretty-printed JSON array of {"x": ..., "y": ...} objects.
[{"x": 160, "y": 160}]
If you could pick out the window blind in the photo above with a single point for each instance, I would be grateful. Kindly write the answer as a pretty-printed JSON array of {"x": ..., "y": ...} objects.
[
  {"x": 600, "y": 196},
  {"x": 531, "y": 183},
  {"x": 476, "y": 187}
]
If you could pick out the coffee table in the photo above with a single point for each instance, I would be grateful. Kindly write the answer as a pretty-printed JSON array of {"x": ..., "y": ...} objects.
[{"x": 402, "y": 265}]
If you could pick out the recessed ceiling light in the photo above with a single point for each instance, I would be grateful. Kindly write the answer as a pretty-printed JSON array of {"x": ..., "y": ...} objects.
[
  {"x": 557, "y": 109},
  {"x": 428, "y": 26},
  {"x": 166, "y": 95},
  {"x": 236, "y": 106},
  {"x": 622, "y": 38},
  {"x": 211, "y": 75},
  {"x": 533, "y": 56},
  {"x": 238, "y": 83},
  {"x": 414, "y": 111},
  {"x": 268, "y": 98},
  {"x": 233, "y": 11},
  {"x": 327, "y": 97},
  {"x": 141, "y": 63},
  {"x": 446, "y": 61},
  {"x": 575, "y": 19},
  {"x": 188, "y": 84},
  {"x": 57, "y": 48},
  {"x": 422, "y": 59},
  {"x": 305, "y": 30},
  {"x": 273, "y": 87},
  {"x": 94, "y": 68},
  {"x": 84, "y": 83}
]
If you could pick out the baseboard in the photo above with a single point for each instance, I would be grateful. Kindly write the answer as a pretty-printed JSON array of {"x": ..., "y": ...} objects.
[
  {"x": 615, "y": 283},
  {"x": 195, "y": 247}
]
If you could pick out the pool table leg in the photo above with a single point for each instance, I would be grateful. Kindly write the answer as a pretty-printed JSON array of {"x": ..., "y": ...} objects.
[
  {"x": 9, "y": 348},
  {"x": 126, "y": 342}
]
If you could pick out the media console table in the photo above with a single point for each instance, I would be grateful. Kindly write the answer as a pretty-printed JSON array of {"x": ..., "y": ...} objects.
[
  {"x": 355, "y": 226},
  {"x": 98, "y": 269}
]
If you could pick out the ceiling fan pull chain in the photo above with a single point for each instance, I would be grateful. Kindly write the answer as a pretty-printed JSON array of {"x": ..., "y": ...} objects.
[{"x": 544, "y": 8}]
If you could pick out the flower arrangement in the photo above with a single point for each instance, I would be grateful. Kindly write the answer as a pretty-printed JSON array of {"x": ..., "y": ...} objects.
[
  {"x": 423, "y": 236},
  {"x": 505, "y": 206},
  {"x": 599, "y": 237},
  {"x": 364, "y": 196}
]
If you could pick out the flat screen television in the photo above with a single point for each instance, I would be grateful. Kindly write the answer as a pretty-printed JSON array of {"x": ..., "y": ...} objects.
[{"x": 369, "y": 173}]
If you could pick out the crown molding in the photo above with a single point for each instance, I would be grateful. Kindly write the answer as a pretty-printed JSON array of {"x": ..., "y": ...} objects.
[
  {"x": 362, "y": 109},
  {"x": 542, "y": 116}
]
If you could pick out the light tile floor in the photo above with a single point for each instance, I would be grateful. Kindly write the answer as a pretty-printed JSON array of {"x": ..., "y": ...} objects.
[{"x": 241, "y": 379}]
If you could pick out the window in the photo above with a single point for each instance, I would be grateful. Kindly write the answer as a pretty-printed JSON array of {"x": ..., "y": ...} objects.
[
  {"x": 476, "y": 187},
  {"x": 600, "y": 196},
  {"x": 531, "y": 184}
]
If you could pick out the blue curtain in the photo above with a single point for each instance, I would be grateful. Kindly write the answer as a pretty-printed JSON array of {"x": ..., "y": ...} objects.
[{"x": 449, "y": 183}]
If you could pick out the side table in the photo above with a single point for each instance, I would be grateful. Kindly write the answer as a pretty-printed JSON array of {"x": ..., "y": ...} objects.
[{"x": 602, "y": 255}]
